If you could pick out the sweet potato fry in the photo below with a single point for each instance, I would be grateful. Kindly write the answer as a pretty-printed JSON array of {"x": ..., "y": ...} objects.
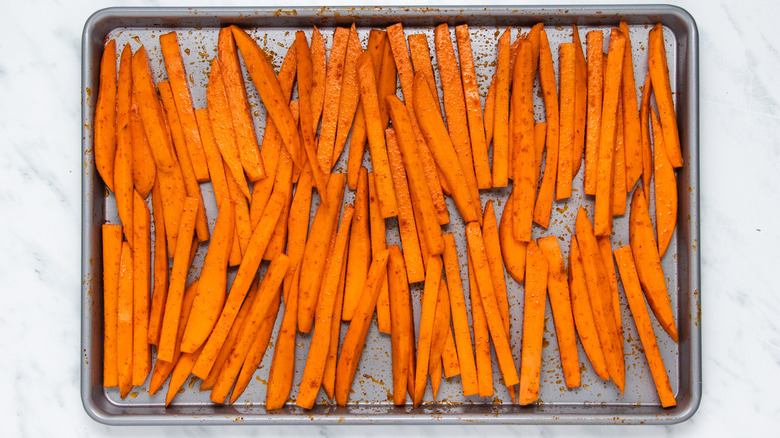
[
  {"x": 350, "y": 95},
  {"x": 177, "y": 76},
  {"x": 665, "y": 190},
  {"x": 619, "y": 166},
  {"x": 420, "y": 54},
  {"x": 567, "y": 61},
  {"x": 647, "y": 152},
  {"x": 376, "y": 137},
  {"x": 536, "y": 280},
  {"x": 583, "y": 313},
  {"x": 160, "y": 287},
  {"x": 580, "y": 100},
  {"x": 243, "y": 218},
  {"x": 495, "y": 262},
  {"x": 595, "y": 41},
  {"x": 378, "y": 243},
  {"x": 449, "y": 357},
  {"x": 524, "y": 159},
  {"x": 601, "y": 299},
  {"x": 387, "y": 78},
  {"x": 105, "y": 116},
  {"x": 332, "y": 98},
  {"x": 123, "y": 159},
  {"x": 179, "y": 374},
  {"x": 662, "y": 89},
  {"x": 560, "y": 302},
  {"x": 359, "y": 258},
  {"x": 400, "y": 315},
  {"x": 648, "y": 263},
  {"x": 605, "y": 171},
  {"x": 298, "y": 224},
  {"x": 406, "y": 222},
  {"x": 632, "y": 137},
  {"x": 284, "y": 185},
  {"x": 144, "y": 170},
  {"x": 319, "y": 74},
  {"x": 544, "y": 201},
  {"x": 513, "y": 251},
  {"x": 439, "y": 336},
  {"x": 501, "y": 113},
  {"x": 352, "y": 347},
  {"x": 124, "y": 321},
  {"x": 142, "y": 261},
  {"x": 479, "y": 147},
  {"x": 425, "y": 337},
  {"x": 605, "y": 250},
  {"x": 112, "y": 254},
  {"x": 329, "y": 377},
  {"x": 540, "y": 137},
  {"x": 481, "y": 337},
  {"x": 280, "y": 377},
  {"x": 628, "y": 275}
]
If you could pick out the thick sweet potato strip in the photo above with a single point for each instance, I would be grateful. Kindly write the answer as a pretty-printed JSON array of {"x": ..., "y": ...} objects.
[
  {"x": 632, "y": 136},
  {"x": 420, "y": 53},
  {"x": 560, "y": 302},
  {"x": 280, "y": 377},
  {"x": 605, "y": 249},
  {"x": 397, "y": 42},
  {"x": 105, "y": 116},
  {"x": 605, "y": 171},
  {"x": 319, "y": 74},
  {"x": 326, "y": 303},
  {"x": 481, "y": 337},
  {"x": 536, "y": 279},
  {"x": 544, "y": 201},
  {"x": 512, "y": 250},
  {"x": 600, "y": 299},
  {"x": 160, "y": 287},
  {"x": 476, "y": 246},
  {"x": 567, "y": 61},
  {"x": 329, "y": 377},
  {"x": 495, "y": 261},
  {"x": 580, "y": 101},
  {"x": 619, "y": 164},
  {"x": 144, "y": 170},
  {"x": 352, "y": 347},
  {"x": 332, "y": 98},
  {"x": 595, "y": 40},
  {"x": 647, "y": 150},
  {"x": 524, "y": 159},
  {"x": 490, "y": 99},
  {"x": 124, "y": 321},
  {"x": 400, "y": 315},
  {"x": 449, "y": 357},
  {"x": 350, "y": 95},
  {"x": 662, "y": 89},
  {"x": 376, "y": 137},
  {"x": 142, "y": 261},
  {"x": 435, "y": 132},
  {"x": 174, "y": 66},
  {"x": 123, "y": 159},
  {"x": 628, "y": 275},
  {"x": 648, "y": 263},
  {"x": 407, "y": 227},
  {"x": 282, "y": 185},
  {"x": 455, "y": 108},
  {"x": 316, "y": 251},
  {"x": 151, "y": 112},
  {"x": 501, "y": 113},
  {"x": 427, "y": 316},
  {"x": 665, "y": 190},
  {"x": 540, "y": 137},
  {"x": 238, "y": 290},
  {"x": 441, "y": 328},
  {"x": 359, "y": 258},
  {"x": 479, "y": 147},
  {"x": 583, "y": 313},
  {"x": 423, "y": 203},
  {"x": 243, "y": 218},
  {"x": 378, "y": 244},
  {"x": 112, "y": 253},
  {"x": 298, "y": 225}
]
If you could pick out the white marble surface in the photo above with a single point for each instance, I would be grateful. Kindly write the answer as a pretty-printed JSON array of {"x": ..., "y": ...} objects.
[{"x": 40, "y": 44}]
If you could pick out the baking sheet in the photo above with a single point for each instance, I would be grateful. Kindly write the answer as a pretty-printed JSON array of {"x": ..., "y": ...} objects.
[{"x": 371, "y": 401}]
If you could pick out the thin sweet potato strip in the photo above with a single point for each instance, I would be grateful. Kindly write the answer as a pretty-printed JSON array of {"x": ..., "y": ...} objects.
[
  {"x": 543, "y": 206},
  {"x": 536, "y": 278},
  {"x": 595, "y": 41},
  {"x": 665, "y": 190},
  {"x": 632, "y": 137},
  {"x": 332, "y": 99},
  {"x": 662, "y": 90},
  {"x": 105, "y": 115}
]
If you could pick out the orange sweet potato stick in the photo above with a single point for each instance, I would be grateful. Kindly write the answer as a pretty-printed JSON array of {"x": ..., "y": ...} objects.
[
  {"x": 560, "y": 302},
  {"x": 329, "y": 377},
  {"x": 142, "y": 261},
  {"x": 605, "y": 171},
  {"x": 160, "y": 287},
  {"x": 536, "y": 280},
  {"x": 421, "y": 61},
  {"x": 605, "y": 250},
  {"x": 144, "y": 170},
  {"x": 387, "y": 78},
  {"x": 495, "y": 262},
  {"x": 238, "y": 290},
  {"x": 665, "y": 190},
  {"x": 524, "y": 160},
  {"x": 178, "y": 279},
  {"x": 544, "y": 201},
  {"x": 397, "y": 42},
  {"x": 298, "y": 226},
  {"x": 243, "y": 219},
  {"x": 246, "y": 140},
  {"x": 455, "y": 109},
  {"x": 441, "y": 330},
  {"x": 595, "y": 41},
  {"x": 359, "y": 258},
  {"x": 583, "y": 313},
  {"x": 628, "y": 275},
  {"x": 435, "y": 132},
  {"x": 648, "y": 263},
  {"x": 326, "y": 303},
  {"x": 376, "y": 137},
  {"x": 280, "y": 377},
  {"x": 476, "y": 246},
  {"x": 600, "y": 299},
  {"x": 268, "y": 291},
  {"x": 580, "y": 100},
  {"x": 481, "y": 337},
  {"x": 567, "y": 61},
  {"x": 662, "y": 89},
  {"x": 282, "y": 185},
  {"x": 423, "y": 203},
  {"x": 632, "y": 136},
  {"x": 479, "y": 147},
  {"x": 332, "y": 98},
  {"x": 123, "y": 159},
  {"x": 400, "y": 315},
  {"x": 190, "y": 182},
  {"x": 174, "y": 66},
  {"x": 490, "y": 99},
  {"x": 425, "y": 337},
  {"x": 105, "y": 116},
  {"x": 112, "y": 253},
  {"x": 540, "y": 137},
  {"x": 489, "y": 111},
  {"x": 179, "y": 374},
  {"x": 350, "y": 95},
  {"x": 124, "y": 321},
  {"x": 501, "y": 113},
  {"x": 378, "y": 243},
  {"x": 222, "y": 124},
  {"x": 352, "y": 347},
  {"x": 449, "y": 357},
  {"x": 647, "y": 150},
  {"x": 213, "y": 282},
  {"x": 619, "y": 164},
  {"x": 513, "y": 251},
  {"x": 173, "y": 193},
  {"x": 319, "y": 74}
]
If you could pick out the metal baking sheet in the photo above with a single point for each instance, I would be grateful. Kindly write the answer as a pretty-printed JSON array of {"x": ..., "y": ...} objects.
[{"x": 596, "y": 402}]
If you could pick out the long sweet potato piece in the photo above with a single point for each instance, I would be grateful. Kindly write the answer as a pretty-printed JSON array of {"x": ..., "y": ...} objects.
[
  {"x": 481, "y": 337},
  {"x": 560, "y": 302},
  {"x": 536, "y": 278},
  {"x": 319, "y": 74},
  {"x": 160, "y": 287},
  {"x": 628, "y": 275},
  {"x": 644, "y": 123},
  {"x": 540, "y": 138},
  {"x": 605, "y": 249},
  {"x": 105, "y": 116},
  {"x": 421, "y": 61},
  {"x": 144, "y": 170},
  {"x": 439, "y": 336},
  {"x": 632, "y": 137},
  {"x": 298, "y": 224},
  {"x": 648, "y": 263},
  {"x": 662, "y": 89},
  {"x": 124, "y": 321},
  {"x": 142, "y": 263},
  {"x": 580, "y": 100},
  {"x": 495, "y": 261},
  {"x": 400, "y": 315},
  {"x": 512, "y": 250},
  {"x": 619, "y": 166},
  {"x": 567, "y": 61},
  {"x": 112, "y": 253},
  {"x": 425, "y": 336},
  {"x": 280, "y": 377},
  {"x": 123, "y": 159},
  {"x": 329, "y": 377},
  {"x": 350, "y": 95},
  {"x": 595, "y": 41},
  {"x": 359, "y": 258},
  {"x": 665, "y": 190},
  {"x": 543, "y": 206},
  {"x": 332, "y": 98},
  {"x": 524, "y": 159},
  {"x": 501, "y": 114},
  {"x": 378, "y": 243}
]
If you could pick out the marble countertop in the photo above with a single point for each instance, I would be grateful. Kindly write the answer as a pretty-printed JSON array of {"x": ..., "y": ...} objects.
[{"x": 40, "y": 55}]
